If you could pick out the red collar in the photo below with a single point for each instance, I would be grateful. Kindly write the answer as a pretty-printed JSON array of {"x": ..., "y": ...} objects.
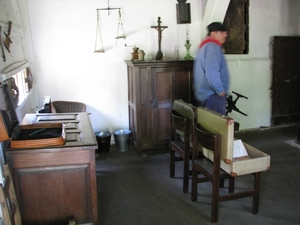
[{"x": 210, "y": 39}]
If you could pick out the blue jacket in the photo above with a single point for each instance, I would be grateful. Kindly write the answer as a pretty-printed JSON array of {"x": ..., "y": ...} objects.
[{"x": 210, "y": 74}]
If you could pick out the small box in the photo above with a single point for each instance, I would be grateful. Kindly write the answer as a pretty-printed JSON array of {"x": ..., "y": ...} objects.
[
  {"x": 31, "y": 135},
  {"x": 258, "y": 161}
]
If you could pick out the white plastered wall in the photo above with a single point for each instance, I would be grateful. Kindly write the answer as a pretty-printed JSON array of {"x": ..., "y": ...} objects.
[{"x": 58, "y": 39}]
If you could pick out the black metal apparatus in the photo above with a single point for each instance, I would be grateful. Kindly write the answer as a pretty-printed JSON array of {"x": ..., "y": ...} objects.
[{"x": 231, "y": 103}]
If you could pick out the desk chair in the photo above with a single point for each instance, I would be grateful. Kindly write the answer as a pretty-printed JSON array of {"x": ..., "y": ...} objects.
[
  {"x": 67, "y": 107},
  {"x": 182, "y": 118},
  {"x": 212, "y": 172}
]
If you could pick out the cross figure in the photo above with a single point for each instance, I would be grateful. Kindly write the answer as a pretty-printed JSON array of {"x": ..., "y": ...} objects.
[{"x": 160, "y": 29}]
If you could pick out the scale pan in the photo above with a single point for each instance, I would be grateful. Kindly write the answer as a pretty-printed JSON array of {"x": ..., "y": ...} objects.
[
  {"x": 120, "y": 37},
  {"x": 99, "y": 51}
]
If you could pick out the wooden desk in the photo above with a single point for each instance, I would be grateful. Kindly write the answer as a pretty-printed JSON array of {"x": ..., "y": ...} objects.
[{"x": 56, "y": 184}]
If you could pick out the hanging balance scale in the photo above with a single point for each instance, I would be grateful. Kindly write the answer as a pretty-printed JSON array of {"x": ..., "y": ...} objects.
[{"x": 99, "y": 43}]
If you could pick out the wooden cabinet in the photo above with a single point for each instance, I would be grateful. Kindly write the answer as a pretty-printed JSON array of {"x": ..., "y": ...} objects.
[
  {"x": 152, "y": 88},
  {"x": 56, "y": 184}
]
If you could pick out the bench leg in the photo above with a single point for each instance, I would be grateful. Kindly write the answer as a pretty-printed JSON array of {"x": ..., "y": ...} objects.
[{"x": 257, "y": 177}]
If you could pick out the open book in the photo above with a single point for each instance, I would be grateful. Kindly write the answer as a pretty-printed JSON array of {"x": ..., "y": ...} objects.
[{"x": 239, "y": 150}]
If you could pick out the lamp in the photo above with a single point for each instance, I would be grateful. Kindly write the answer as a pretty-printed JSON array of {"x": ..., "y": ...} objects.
[{"x": 183, "y": 10}]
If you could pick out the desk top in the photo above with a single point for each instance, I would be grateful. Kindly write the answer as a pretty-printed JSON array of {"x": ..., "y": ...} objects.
[{"x": 78, "y": 127}]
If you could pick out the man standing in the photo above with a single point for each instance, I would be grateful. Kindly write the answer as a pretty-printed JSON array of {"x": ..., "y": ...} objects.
[{"x": 211, "y": 77}]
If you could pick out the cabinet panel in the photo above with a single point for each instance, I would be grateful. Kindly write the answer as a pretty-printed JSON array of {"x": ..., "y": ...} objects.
[
  {"x": 162, "y": 86},
  {"x": 130, "y": 80},
  {"x": 144, "y": 89},
  {"x": 132, "y": 121},
  {"x": 162, "y": 92},
  {"x": 145, "y": 127},
  {"x": 161, "y": 125},
  {"x": 47, "y": 185},
  {"x": 181, "y": 86}
]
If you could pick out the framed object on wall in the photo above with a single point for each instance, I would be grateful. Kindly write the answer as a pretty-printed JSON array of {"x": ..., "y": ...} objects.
[{"x": 183, "y": 13}]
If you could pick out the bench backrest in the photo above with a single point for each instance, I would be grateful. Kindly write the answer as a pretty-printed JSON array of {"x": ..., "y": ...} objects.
[{"x": 218, "y": 124}]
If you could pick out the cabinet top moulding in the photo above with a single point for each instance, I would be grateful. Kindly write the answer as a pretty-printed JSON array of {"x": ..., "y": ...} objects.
[{"x": 159, "y": 62}]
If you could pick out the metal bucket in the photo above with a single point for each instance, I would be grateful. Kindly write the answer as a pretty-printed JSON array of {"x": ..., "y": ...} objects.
[
  {"x": 103, "y": 140},
  {"x": 122, "y": 139}
]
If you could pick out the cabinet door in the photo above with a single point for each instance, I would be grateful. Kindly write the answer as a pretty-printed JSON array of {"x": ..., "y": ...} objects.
[{"x": 168, "y": 84}]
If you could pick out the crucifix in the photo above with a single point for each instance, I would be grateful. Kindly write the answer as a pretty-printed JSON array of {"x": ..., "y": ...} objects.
[{"x": 160, "y": 29}]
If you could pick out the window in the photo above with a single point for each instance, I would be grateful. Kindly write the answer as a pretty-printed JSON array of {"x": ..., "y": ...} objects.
[
  {"x": 19, "y": 85},
  {"x": 22, "y": 85}
]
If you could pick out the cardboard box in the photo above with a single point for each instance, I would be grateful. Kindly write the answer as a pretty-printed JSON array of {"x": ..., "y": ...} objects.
[{"x": 213, "y": 122}]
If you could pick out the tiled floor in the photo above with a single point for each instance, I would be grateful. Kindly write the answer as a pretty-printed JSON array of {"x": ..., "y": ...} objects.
[{"x": 136, "y": 190}]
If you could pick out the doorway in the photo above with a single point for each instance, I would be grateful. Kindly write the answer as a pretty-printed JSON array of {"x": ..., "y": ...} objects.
[{"x": 286, "y": 80}]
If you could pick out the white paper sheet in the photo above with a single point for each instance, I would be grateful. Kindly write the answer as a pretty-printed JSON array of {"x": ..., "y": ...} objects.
[{"x": 239, "y": 149}]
